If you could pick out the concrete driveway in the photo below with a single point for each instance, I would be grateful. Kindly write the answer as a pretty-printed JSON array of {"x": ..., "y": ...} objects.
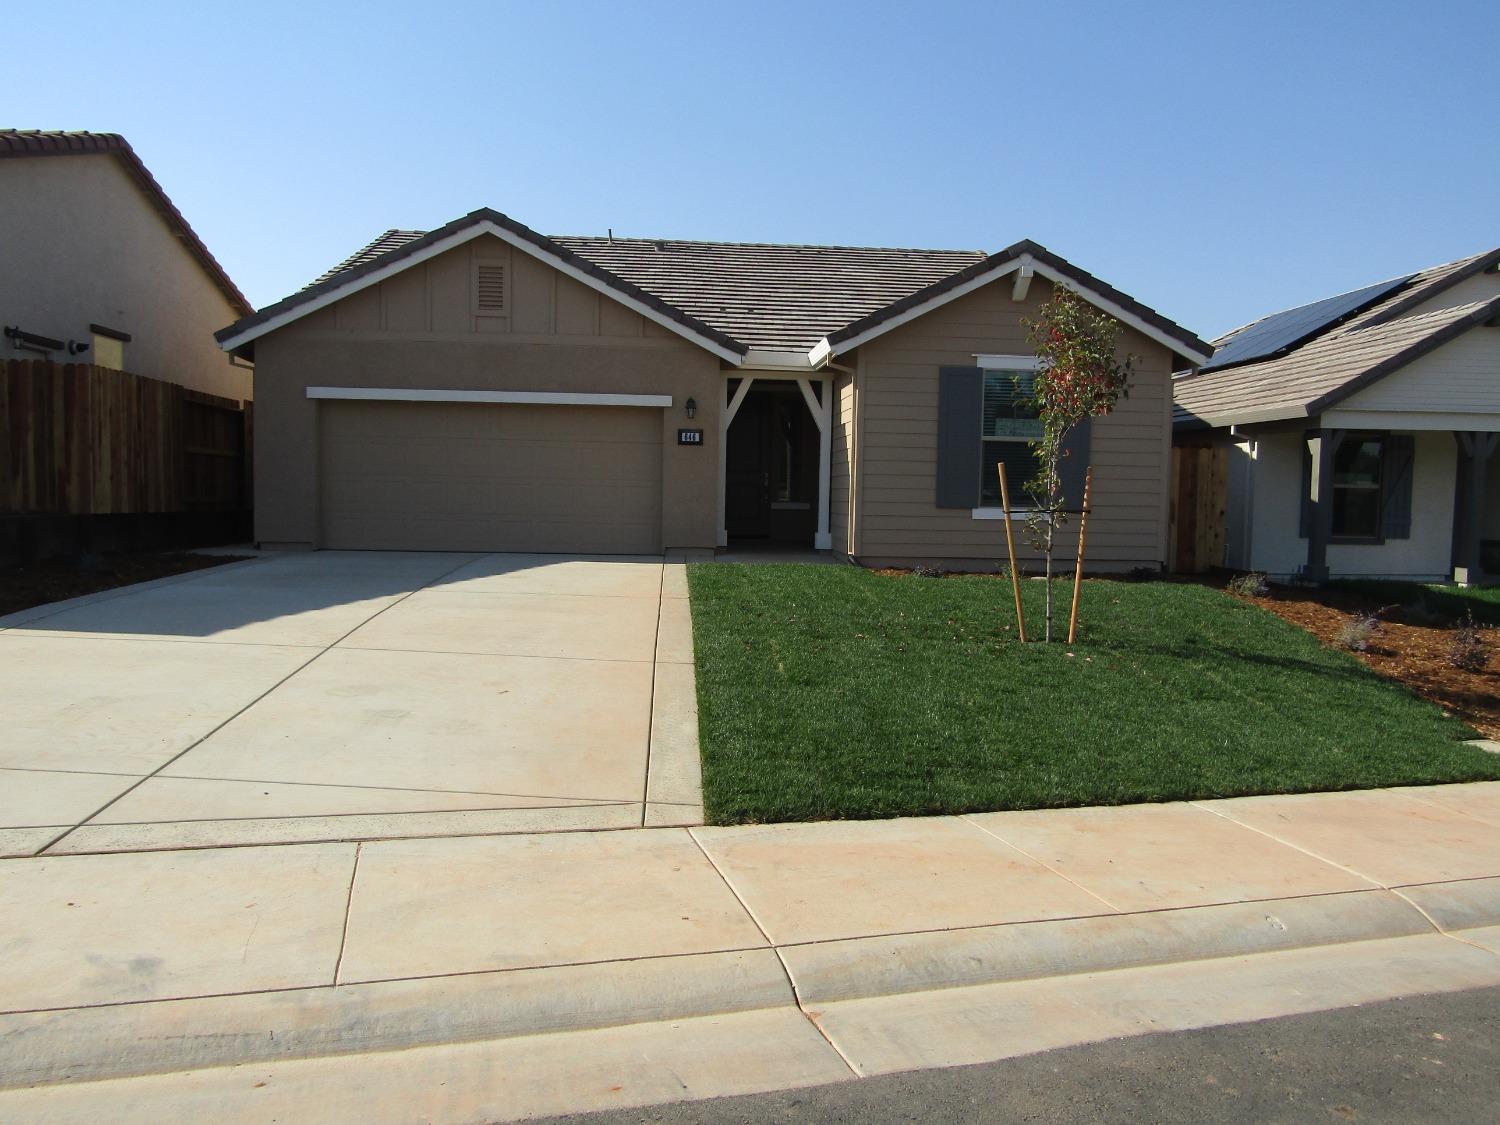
[{"x": 348, "y": 695}]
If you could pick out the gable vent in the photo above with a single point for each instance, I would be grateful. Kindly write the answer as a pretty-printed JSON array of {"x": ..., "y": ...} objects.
[{"x": 489, "y": 290}]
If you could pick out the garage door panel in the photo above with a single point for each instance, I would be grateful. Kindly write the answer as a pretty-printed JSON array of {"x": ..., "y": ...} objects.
[{"x": 449, "y": 476}]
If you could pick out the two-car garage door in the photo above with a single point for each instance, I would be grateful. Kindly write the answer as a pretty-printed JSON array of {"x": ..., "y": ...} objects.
[{"x": 445, "y": 476}]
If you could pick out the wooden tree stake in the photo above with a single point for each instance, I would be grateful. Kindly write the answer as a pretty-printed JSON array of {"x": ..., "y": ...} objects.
[
  {"x": 1010, "y": 545},
  {"x": 1083, "y": 535}
]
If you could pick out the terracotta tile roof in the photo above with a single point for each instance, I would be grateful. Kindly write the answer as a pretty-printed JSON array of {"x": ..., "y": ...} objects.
[
  {"x": 1321, "y": 372},
  {"x": 50, "y": 142}
]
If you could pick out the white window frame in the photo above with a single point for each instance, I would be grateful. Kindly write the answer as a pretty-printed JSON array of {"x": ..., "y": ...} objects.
[{"x": 988, "y": 363}]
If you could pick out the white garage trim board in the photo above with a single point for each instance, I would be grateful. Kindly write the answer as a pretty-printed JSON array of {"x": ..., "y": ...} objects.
[{"x": 534, "y": 398}]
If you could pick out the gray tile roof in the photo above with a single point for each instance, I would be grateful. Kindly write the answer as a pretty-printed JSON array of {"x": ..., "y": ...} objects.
[
  {"x": 741, "y": 295},
  {"x": 775, "y": 297},
  {"x": 390, "y": 240},
  {"x": 57, "y": 142},
  {"x": 779, "y": 298},
  {"x": 1321, "y": 372}
]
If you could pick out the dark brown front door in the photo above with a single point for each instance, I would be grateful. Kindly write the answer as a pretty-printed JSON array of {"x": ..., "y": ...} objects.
[{"x": 747, "y": 479}]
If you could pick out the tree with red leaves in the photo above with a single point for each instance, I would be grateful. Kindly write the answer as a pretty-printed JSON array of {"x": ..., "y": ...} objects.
[{"x": 1079, "y": 375}]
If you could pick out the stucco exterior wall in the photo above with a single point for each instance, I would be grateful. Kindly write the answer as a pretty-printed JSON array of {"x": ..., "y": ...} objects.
[
  {"x": 895, "y": 491},
  {"x": 1275, "y": 488},
  {"x": 419, "y": 329},
  {"x": 83, "y": 245}
]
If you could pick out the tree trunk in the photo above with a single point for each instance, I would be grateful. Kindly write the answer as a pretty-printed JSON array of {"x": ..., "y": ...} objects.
[{"x": 1047, "y": 631}]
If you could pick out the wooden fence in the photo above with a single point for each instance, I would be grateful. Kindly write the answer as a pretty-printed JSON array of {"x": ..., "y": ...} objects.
[
  {"x": 1200, "y": 503},
  {"x": 82, "y": 440}
]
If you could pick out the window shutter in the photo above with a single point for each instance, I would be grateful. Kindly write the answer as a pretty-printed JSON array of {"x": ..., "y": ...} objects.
[
  {"x": 1305, "y": 513},
  {"x": 1395, "y": 507},
  {"x": 1073, "y": 466},
  {"x": 959, "y": 456}
]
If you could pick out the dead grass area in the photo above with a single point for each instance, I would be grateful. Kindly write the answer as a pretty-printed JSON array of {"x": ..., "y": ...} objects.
[
  {"x": 22, "y": 587},
  {"x": 1406, "y": 646}
]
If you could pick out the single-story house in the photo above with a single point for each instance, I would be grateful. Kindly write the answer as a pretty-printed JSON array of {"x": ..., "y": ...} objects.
[
  {"x": 484, "y": 387},
  {"x": 1362, "y": 430},
  {"x": 102, "y": 268}
]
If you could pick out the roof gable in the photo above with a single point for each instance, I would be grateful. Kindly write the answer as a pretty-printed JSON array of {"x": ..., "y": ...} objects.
[
  {"x": 46, "y": 142},
  {"x": 372, "y": 267},
  {"x": 1022, "y": 255}
]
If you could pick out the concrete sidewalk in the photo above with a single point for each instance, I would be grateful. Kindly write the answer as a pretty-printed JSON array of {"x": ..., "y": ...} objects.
[{"x": 498, "y": 977}]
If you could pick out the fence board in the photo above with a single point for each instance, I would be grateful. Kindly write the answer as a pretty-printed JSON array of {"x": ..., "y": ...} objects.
[
  {"x": 1200, "y": 503},
  {"x": 77, "y": 439}
]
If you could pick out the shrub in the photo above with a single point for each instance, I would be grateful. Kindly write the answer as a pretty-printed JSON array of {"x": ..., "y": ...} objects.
[
  {"x": 1358, "y": 631},
  {"x": 1467, "y": 650},
  {"x": 1252, "y": 585},
  {"x": 926, "y": 572}
]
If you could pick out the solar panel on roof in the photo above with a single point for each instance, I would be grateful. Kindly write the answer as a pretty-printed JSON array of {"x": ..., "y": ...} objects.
[{"x": 1285, "y": 329}]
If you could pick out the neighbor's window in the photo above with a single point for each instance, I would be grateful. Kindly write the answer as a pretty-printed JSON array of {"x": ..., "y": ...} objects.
[
  {"x": 109, "y": 351},
  {"x": 1009, "y": 427},
  {"x": 1357, "y": 468}
]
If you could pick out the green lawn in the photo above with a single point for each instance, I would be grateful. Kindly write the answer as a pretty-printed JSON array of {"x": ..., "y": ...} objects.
[{"x": 830, "y": 692}]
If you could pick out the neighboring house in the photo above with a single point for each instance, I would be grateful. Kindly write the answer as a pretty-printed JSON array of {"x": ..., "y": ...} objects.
[
  {"x": 1362, "y": 430},
  {"x": 101, "y": 268},
  {"x": 483, "y": 387}
]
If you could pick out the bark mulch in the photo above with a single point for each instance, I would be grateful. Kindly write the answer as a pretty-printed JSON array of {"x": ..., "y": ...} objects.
[
  {"x": 22, "y": 587},
  {"x": 1409, "y": 644}
]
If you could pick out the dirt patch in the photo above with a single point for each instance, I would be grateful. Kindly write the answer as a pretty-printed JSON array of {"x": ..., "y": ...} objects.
[
  {"x": 22, "y": 587},
  {"x": 1406, "y": 646}
]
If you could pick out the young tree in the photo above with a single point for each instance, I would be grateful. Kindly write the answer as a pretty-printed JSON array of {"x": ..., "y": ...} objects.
[{"x": 1078, "y": 376}]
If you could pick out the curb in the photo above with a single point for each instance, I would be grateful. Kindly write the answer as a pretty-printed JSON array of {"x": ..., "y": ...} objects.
[
  {"x": 163, "y": 1036},
  {"x": 859, "y": 968}
]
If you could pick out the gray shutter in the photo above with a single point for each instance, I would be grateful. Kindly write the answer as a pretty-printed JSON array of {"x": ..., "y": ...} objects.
[
  {"x": 1395, "y": 509},
  {"x": 1074, "y": 464},
  {"x": 1305, "y": 511},
  {"x": 959, "y": 454}
]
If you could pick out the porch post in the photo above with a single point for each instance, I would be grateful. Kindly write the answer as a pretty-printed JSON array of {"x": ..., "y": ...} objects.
[
  {"x": 1321, "y": 524},
  {"x": 823, "y": 541},
  {"x": 728, "y": 408},
  {"x": 1475, "y": 449}
]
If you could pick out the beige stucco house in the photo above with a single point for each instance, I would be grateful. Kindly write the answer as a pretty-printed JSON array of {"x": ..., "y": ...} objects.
[
  {"x": 483, "y": 387},
  {"x": 1362, "y": 430},
  {"x": 101, "y": 268}
]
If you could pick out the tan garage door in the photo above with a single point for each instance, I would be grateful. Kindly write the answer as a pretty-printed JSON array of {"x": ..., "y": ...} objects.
[{"x": 485, "y": 477}]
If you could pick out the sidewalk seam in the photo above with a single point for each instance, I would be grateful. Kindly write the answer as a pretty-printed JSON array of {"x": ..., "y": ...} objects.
[
  {"x": 1043, "y": 863},
  {"x": 338, "y": 963},
  {"x": 220, "y": 726},
  {"x": 1295, "y": 847},
  {"x": 780, "y": 960},
  {"x": 661, "y": 587},
  {"x": 1431, "y": 921}
]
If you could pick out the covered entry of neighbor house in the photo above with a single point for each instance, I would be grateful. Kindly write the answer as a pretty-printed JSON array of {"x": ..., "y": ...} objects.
[
  {"x": 775, "y": 462},
  {"x": 490, "y": 476}
]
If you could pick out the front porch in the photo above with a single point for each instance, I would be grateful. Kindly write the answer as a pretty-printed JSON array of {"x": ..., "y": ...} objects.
[
  {"x": 775, "y": 461},
  {"x": 1360, "y": 492}
]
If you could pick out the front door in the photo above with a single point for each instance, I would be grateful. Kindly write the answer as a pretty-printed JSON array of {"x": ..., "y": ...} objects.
[
  {"x": 747, "y": 479},
  {"x": 770, "y": 460}
]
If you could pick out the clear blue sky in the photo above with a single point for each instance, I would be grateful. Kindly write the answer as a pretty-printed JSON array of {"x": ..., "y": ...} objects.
[{"x": 1216, "y": 161}]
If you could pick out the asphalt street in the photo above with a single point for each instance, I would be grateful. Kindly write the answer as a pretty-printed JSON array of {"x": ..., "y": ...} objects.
[{"x": 1425, "y": 1059}]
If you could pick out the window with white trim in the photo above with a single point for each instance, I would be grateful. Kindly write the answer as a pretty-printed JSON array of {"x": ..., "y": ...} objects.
[{"x": 1008, "y": 427}]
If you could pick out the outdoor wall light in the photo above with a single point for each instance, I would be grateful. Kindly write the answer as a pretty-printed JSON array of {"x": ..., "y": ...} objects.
[{"x": 691, "y": 406}]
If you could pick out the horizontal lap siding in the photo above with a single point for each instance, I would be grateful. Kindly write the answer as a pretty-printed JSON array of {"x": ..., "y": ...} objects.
[
  {"x": 897, "y": 513},
  {"x": 842, "y": 476}
]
